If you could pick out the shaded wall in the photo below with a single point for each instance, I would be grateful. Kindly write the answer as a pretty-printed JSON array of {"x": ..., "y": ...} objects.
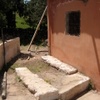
[
  {"x": 12, "y": 49},
  {"x": 82, "y": 52}
]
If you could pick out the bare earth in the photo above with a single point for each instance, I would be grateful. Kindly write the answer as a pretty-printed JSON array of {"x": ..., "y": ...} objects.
[{"x": 15, "y": 88}]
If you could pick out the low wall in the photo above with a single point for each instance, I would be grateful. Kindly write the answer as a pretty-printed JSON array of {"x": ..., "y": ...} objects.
[{"x": 12, "y": 49}]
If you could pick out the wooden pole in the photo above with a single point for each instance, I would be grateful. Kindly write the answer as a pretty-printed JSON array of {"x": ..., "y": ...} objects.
[
  {"x": 3, "y": 40},
  {"x": 4, "y": 86},
  {"x": 4, "y": 82},
  {"x": 37, "y": 28}
]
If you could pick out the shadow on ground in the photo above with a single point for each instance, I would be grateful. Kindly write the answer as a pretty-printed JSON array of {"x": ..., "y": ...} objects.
[
  {"x": 24, "y": 56},
  {"x": 80, "y": 94},
  {"x": 21, "y": 56}
]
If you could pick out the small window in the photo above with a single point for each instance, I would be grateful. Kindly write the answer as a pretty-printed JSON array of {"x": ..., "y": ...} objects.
[{"x": 73, "y": 23}]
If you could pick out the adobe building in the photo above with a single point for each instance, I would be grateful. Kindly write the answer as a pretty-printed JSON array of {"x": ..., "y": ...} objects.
[{"x": 74, "y": 35}]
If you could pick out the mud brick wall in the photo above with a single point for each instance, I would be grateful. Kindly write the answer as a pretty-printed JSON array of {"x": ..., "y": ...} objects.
[{"x": 12, "y": 49}]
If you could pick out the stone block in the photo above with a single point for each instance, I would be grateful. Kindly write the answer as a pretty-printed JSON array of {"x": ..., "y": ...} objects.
[
  {"x": 41, "y": 89},
  {"x": 68, "y": 69},
  {"x": 73, "y": 85}
]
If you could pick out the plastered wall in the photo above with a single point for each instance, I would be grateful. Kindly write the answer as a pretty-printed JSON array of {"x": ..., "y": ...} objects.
[
  {"x": 12, "y": 49},
  {"x": 82, "y": 52}
]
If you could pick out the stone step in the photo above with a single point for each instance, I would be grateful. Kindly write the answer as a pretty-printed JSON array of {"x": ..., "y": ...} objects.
[
  {"x": 68, "y": 69},
  {"x": 73, "y": 85},
  {"x": 41, "y": 89},
  {"x": 91, "y": 95}
]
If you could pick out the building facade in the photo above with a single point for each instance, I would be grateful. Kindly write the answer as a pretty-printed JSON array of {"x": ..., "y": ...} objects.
[{"x": 74, "y": 35}]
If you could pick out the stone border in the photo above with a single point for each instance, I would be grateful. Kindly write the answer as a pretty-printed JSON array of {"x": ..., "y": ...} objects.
[
  {"x": 76, "y": 84},
  {"x": 71, "y": 86},
  {"x": 68, "y": 69},
  {"x": 41, "y": 89}
]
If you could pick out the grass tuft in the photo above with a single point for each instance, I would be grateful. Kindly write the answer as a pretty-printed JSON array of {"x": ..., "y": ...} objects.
[{"x": 20, "y": 22}]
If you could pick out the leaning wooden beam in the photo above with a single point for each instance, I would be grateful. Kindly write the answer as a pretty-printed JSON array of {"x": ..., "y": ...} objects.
[{"x": 37, "y": 28}]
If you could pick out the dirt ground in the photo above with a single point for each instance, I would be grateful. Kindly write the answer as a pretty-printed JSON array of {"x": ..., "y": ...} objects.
[
  {"x": 15, "y": 88},
  {"x": 32, "y": 60}
]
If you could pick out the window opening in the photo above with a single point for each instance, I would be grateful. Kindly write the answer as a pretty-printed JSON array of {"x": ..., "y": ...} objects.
[{"x": 73, "y": 23}]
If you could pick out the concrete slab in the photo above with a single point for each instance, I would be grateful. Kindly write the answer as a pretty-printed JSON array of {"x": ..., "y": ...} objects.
[
  {"x": 41, "y": 89},
  {"x": 73, "y": 85},
  {"x": 91, "y": 95},
  {"x": 68, "y": 69}
]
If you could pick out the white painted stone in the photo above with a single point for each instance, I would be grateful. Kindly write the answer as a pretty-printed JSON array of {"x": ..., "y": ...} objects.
[
  {"x": 59, "y": 65},
  {"x": 41, "y": 89},
  {"x": 73, "y": 85}
]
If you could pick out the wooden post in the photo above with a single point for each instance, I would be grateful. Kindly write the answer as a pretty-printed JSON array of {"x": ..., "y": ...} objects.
[
  {"x": 3, "y": 40},
  {"x": 4, "y": 86},
  {"x": 4, "y": 82},
  {"x": 37, "y": 28}
]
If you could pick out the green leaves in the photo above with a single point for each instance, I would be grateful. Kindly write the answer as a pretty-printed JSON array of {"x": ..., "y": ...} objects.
[
  {"x": 2, "y": 20},
  {"x": 33, "y": 12},
  {"x": 7, "y": 12}
]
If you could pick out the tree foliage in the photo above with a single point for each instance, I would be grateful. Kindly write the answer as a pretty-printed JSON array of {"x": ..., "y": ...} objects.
[
  {"x": 8, "y": 8},
  {"x": 2, "y": 20},
  {"x": 33, "y": 12}
]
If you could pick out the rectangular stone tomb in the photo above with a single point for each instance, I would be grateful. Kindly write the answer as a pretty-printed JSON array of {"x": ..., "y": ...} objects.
[{"x": 41, "y": 89}]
